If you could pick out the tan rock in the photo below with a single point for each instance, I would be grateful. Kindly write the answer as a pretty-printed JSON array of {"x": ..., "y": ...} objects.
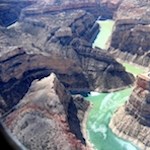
[{"x": 131, "y": 121}]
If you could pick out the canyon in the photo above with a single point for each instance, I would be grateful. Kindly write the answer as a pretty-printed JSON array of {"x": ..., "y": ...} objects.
[
  {"x": 43, "y": 118},
  {"x": 131, "y": 32},
  {"x": 46, "y": 55},
  {"x": 131, "y": 121},
  {"x": 33, "y": 48}
]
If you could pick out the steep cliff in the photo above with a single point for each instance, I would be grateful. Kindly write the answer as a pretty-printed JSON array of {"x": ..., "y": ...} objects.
[
  {"x": 108, "y": 8},
  {"x": 132, "y": 121},
  {"x": 42, "y": 115},
  {"x": 130, "y": 39},
  {"x": 43, "y": 120},
  {"x": 10, "y": 10},
  {"x": 91, "y": 70},
  {"x": 38, "y": 45}
]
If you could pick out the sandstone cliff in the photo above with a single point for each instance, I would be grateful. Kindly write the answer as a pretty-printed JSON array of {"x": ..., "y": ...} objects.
[
  {"x": 132, "y": 121},
  {"x": 130, "y": 39},
  {"x": 42, "y": 120}
]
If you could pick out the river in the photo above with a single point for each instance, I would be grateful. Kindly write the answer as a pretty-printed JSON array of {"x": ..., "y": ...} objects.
[
  {"x": 105, "y": 104},
  {"x": 103, "y": 38}
]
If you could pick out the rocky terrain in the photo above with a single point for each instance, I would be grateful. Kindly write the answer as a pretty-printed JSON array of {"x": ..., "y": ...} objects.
[
  {"x": 10, "y": 10},
  {"x": 132, "y": 121},
  {"x": 38, "y": 45},
  {"x": 130, "y": 39},
  {"x": 45, "y": 117},
  {"x": 13, "y": 10},
  {"x": 56, "y": 41},
  {"x": 131, "y": 33}
]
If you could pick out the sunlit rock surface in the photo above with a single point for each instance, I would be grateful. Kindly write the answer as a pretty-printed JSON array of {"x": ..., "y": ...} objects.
[
  {"x": 39, "y": 45},
  {"x": 43, "y": 118},
  {"x": 130, "y": 39},
  {"x": 131, "y": 121}
]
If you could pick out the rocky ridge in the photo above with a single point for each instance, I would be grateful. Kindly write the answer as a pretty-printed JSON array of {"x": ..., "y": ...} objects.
[
  {"x": 33, "y": 48},
  {"x": 131, "y": 121},
  {"x": 38, "y": 45},
  {"x": 41, "y": 120},
  {"x": 10, "y": 13}
]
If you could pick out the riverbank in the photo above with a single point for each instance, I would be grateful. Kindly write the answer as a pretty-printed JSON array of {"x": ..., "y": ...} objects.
[
  {"x": 102, "y": 108},
  {"x": 136, "y": 142},
  {"x": 115, "y": 89},
  {"x": 133, "y": 68},
  {"x": 106, "y": 27},
  {"x": 106, "y": 103},
  {"x": 89, "y": 145}
]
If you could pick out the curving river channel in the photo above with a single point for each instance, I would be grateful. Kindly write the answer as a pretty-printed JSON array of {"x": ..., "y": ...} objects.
[{"x": 103, "y": 107}]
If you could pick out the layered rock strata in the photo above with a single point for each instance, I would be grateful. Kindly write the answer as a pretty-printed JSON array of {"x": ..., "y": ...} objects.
[
  {"x": 42, "y": 115},
  {"x": 42, "y": 120},
  {"x": 38, "y": 45},
  {"x": 131, "y": 33},
  {"x": 84, "y": 71},
  {"x": 132, "y": 121},
  {"x": 10, "y": 10}
]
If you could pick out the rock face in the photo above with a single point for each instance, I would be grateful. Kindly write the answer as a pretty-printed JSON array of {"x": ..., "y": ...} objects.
[
  {"x": 42, "y": 119},
  {"x": 42, "y": 115},
  {"x": 132, "y": 121},
  {"x": 38, "y": 45},
  {"x": 10, "y": 10},
  {"x": 108, "y": 8},
  {"x": 56, "y": 6},
  {"x": 131, "y": 35}
]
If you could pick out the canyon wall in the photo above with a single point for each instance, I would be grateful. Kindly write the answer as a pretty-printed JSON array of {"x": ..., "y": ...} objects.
[
  {"x": 13, "y": 10},
  {"x": 10, "y": 10},
  {"x": 130, "y": 39},
  {"x": 131, "y": 121},
  {"x": 38, "y": 45},
  {"x": 35, "y": 106},
  {"x": 43, "y": 118}
]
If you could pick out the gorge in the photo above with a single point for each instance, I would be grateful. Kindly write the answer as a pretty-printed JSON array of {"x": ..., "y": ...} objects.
[{"x": 47, "y": 55}]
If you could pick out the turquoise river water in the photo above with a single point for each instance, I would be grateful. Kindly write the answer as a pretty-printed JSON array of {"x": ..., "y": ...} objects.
[
  {"x": 103, "y": 107},
  {"x": 105, "y": 104}
]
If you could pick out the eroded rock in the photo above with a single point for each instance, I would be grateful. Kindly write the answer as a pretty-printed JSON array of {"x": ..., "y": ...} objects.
[
  {"x": 131, "y": 121},
  {"x": 42, "y": 119},
  {"x": 39, "y": 45},
  {"x": 131, "y": 32}
]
